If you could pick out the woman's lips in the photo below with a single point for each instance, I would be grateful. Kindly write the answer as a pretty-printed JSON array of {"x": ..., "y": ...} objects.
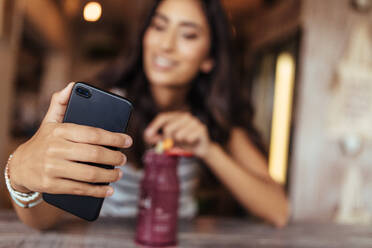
[{"x": 162, "y": 63}]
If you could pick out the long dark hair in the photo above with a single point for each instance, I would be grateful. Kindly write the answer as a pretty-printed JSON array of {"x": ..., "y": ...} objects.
[{"x": 214, "y": 97}]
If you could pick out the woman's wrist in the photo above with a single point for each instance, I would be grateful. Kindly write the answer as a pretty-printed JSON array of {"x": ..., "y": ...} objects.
[
  {"x": 16, "y": 186},
  {"x": 20, "y": 188},
  {"x": 210, "y": 152},
  {"x": 18, "y": 194}
]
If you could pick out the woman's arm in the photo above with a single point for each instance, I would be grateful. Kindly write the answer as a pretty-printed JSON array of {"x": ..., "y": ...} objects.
[
  {"x": 40, "y": 217},
  {"x": 244, "y": 172},
  {"x": 50, "y": 162}
]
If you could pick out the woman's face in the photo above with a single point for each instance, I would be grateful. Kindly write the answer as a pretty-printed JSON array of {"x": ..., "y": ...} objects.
[{"x": 176, "y": 44}]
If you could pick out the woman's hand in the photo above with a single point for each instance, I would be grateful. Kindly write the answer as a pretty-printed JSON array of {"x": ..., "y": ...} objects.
[
  {"x": 49, "y": 161},
  {"x": 187, "y": 131}
]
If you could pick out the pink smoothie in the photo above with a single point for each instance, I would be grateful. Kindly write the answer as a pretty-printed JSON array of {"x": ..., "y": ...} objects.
[{"x": 158, "y": 204}]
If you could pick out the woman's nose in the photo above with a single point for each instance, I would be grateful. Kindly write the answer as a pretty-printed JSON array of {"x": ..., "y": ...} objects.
[{"x": 168, "y": 42}]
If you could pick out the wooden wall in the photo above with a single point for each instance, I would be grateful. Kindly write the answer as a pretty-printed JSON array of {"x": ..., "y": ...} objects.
[
  {"x": 9, "y": 44},
  {"x": 318, "y": 164}
]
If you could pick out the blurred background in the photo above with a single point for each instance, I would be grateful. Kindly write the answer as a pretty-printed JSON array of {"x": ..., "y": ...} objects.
[{"x": 310, "y": 62}]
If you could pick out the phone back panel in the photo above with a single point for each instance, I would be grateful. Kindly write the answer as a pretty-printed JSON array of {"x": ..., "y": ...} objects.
[{"x": 103, "y": 110}]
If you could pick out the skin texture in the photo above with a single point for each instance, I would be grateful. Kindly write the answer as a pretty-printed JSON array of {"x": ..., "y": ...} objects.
[{"x": 176, "y": 48}]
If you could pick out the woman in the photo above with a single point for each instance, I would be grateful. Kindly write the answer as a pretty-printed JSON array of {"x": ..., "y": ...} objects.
[{"x": 181, "y": 83}]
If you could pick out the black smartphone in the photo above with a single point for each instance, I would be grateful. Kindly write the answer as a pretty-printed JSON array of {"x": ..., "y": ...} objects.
[{"x": 94, "y": 107}]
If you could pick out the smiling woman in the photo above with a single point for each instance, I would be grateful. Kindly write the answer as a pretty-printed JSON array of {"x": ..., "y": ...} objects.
[
  {"x": 176, "y": 46},
  {"x": 182, "y": 83}
]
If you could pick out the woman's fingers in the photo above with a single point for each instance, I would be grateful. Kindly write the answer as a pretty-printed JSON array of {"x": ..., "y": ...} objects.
[
  {"x": 82, "y": 172},
  {"x": 92, "y": 135},
  {"x": 175, "y": 125},
  {"x": 186, "y": 130},
  {"x": 188, "y": 134},
  {"x": 65, "y": 186},
  {"x": 169, "y": 123},
  {"x": 182, "y": 127},
  {"x": 159, "y": 122},
  {"x": 88, "y": 153}
]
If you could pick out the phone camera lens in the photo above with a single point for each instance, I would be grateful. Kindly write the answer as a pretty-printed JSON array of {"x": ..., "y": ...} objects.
[{"x": 83, "y": 92}]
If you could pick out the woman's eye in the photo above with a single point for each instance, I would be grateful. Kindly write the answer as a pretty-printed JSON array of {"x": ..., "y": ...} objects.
[
  {"x": 190, "y": 36},
  {"x": 157, "y": 26}
]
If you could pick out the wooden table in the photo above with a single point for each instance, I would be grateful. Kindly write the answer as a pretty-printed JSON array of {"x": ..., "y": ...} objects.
[{"x": 203, "y": 232}]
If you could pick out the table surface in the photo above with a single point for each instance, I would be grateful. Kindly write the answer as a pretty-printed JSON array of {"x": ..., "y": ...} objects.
[{"x": 201, "y": 232}]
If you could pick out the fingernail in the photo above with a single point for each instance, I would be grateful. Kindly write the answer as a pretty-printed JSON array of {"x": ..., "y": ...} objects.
[
  {"x": 120, "y": 175},
  {"x": 124, "y": 160},
  {"x": 128, "y": 142},
  {"x": 65, "y": 89},
  {"x": 109, "y": 192}
]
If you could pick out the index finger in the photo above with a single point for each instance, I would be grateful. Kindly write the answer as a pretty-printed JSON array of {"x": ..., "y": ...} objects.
[
  {"x": 93, "y": 135},
  {"x": 159, "y": 122}
]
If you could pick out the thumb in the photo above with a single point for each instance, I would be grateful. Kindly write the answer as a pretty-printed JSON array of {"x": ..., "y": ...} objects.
[{"x": 58, "y": 104}]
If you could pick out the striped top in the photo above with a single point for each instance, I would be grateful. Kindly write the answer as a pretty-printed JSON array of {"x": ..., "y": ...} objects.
[{"x": 123, "y": 203}]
